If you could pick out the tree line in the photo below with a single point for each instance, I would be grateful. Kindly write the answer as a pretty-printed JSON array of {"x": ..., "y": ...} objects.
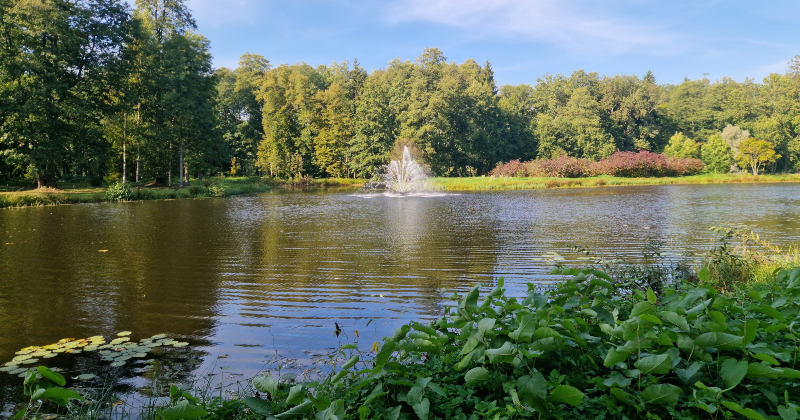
[{"x": 91, "y": 88}]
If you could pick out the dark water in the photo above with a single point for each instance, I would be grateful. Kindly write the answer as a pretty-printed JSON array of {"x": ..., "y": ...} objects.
[{"x": 249, "y": 276}]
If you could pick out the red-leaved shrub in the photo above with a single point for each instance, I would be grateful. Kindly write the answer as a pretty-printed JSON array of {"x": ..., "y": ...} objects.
[{"x": 621, "y": 164}]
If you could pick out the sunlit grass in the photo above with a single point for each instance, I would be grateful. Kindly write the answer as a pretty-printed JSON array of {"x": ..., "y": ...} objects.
[{"x": 538, "y": 183}]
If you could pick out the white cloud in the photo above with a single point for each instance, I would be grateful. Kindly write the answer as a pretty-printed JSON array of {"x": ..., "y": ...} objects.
[{"x": 581, "y": 26}]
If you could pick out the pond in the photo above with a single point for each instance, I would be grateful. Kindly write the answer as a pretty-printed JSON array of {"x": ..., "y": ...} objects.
[{"x": 243, "y": 278}]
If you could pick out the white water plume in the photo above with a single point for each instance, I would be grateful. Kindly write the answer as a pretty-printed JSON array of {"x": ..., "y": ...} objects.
[{"x": 404, "y": 176}]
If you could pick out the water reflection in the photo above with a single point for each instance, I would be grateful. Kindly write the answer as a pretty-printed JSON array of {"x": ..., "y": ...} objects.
[{"x": 251, "y": 276}]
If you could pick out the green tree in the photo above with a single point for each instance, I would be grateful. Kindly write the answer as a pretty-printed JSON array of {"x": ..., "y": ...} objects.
[
  {"x": 58, "y": 62},
  {"x": 717, "y": 155},
  {"x": 682, "y": 147},
  {"x": 754, "y": 153}
]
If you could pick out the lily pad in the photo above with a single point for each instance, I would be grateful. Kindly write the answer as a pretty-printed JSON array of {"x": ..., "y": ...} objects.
[
  {"x": 118, "y": 364},
  {"x": 49, "y": 355},
  {"x": 85, "y": 377},
  {"x": 124, "y": 333},
  {"x": 158, "y": 336},
  {"x": 8, "y": 368},
  {"x": 21, "y": 358},
  {"x": 123, "y": 358},
  {"x": 140, "y": 355},
  {"x": 17, "y": 371},
  {"x": 120, "y": 340},
  {"x": 29, "y": 361},
  {"x": 182, "y": 344}
]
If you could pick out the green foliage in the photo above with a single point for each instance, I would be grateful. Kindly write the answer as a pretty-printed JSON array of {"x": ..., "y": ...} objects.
[
  {"x": 119, "y": 192},
  {"x": 755, "y": 153},
  {"x": 717, "y": 155},
  {"x": 682, "y": 147},
  {"x": 579, "y": 350}
]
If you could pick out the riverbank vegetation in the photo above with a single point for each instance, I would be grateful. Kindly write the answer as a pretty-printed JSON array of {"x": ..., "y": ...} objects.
[
  {"x": 130, "y": 95},
  {"x": 658, "y": 339},
  {"x": 487, "y": 183}
]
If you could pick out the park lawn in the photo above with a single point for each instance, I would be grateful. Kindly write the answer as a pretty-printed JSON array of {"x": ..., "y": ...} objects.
[{"x": 485, "y": 183}]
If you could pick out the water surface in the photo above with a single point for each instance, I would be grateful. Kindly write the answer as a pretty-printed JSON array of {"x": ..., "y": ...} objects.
[{"x": 250, "y": 276}]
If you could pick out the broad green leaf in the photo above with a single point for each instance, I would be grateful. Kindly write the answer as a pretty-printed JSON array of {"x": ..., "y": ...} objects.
[
  {"x": 641, "y": 308},
  {"x": 732, "y": 372},
  {"x": 297, "y": 411},
  {"x": 651, "y": 296},
  {"x": 747, "y": 412},
  {"x": 767, "y": 358},
  {"x": 615, "y": 356},
  {"x": 657, "y": 364},
  {"x": 787, "y": 413},
  {"x": 661, "y": 394},
  {"x": 296, "y": 395},
  {"x": 622, "y": 396},
  {"x": 771, "y": 312},
  {"x": 422, "y": 408},
  {"x": 545, "y": 332},
  {"x": 650, "y": 318},
  {"x": 182, "y": 411},
  {"x": 704, "y": 275},
  {"x": 532, "y": 388},
  {"x": 486, "y": 324},
  {"x": 687, "y": 375},
  {"x": 566, "y": 394},
  {"x": 504, "y": 354},
  {"x": 470, "y": 301},
  {"x": 717, "y": 339},
  {"x": 476, "y": 376},
  {"x": 674, "y": 318},
  {"x": 616, "y": 379},
  {"x": 53, "y": 376},
  {"x": 758, "y": 370},
  {"x": 336, "y": 411},
  {"x": 259, "y": 406},
  {"x": 524, "y": 333},
  {"x": 266, "y": 384}
]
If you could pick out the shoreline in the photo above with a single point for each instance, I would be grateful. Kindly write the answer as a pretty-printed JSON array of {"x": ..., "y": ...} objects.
[
  {"x": 226, "y": 187},
  {"x": 539, "y": 183}
]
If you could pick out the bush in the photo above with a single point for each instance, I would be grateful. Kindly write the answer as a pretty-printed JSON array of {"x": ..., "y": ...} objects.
[
  {"x": 119, "y": 192},
  {"x": 578, "y": 351},
  {"x": 561, "y": 167},
  {"x": 216, "y": 190},
  {"x": 512, "y": 168},
  {"x": 620, "y": 164}
]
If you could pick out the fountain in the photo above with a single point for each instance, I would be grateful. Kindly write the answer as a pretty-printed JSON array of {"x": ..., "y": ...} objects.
[{"x": 404, "y": 176}]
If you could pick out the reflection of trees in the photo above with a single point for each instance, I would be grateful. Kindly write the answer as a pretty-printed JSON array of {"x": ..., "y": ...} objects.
[{"x": 159, "y": 275}]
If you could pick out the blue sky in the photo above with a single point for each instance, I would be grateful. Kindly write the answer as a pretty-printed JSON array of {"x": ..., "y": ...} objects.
[{"x": 522, "y": 39}]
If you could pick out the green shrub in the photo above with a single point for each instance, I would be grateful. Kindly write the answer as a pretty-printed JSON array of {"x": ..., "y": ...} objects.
[
  {"x": 119, "y": 192},
  {"x": 579, "y": 351},
  {"x": 216, "y": 190}
]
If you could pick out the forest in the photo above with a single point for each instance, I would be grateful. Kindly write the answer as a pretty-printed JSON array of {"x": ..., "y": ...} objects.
[{"x": 96, "y": 90}]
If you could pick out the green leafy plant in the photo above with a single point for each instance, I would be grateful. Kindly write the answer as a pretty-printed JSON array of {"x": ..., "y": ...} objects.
[
  {"x": 46, "y": 385},
  {"x": 119, "y": 191}
]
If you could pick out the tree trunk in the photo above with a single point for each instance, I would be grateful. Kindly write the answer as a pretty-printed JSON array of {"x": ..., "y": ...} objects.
[
  {"x": 138, "y": 154},
  {"x": 124, "y": 147},
  {"x": 180, "y": 167}
]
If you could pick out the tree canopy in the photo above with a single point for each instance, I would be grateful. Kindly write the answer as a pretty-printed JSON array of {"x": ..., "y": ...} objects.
[{"x": 91, "y": 88}]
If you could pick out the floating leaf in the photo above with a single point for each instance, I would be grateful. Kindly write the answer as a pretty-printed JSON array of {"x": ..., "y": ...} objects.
[
  {"x": 85, "y": 377},
  {"x": 29, "y": 361},
  {"x": 158, "y": 336},
  {"x": 124, "y": 333},
  {"x": 183, "y": 344},
  {"x": 140, "y": 355},
  {"x": 118, "y": 364},
  {"x": 8, "y": 368}
]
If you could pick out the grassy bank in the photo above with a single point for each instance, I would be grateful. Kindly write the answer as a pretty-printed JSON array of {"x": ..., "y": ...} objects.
[
  {"x": 520, "y": 183},
  {"x": 20, "y": 194},
  {"x": 656, "y": 341}
]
